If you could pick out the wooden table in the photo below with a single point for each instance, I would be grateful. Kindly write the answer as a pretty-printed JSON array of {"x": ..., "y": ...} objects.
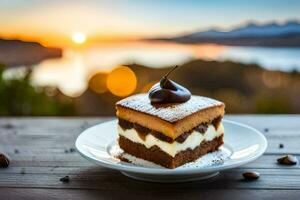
[{"x": 39, "y": 152}]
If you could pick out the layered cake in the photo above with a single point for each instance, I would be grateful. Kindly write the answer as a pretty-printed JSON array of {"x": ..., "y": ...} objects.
[{"x": 168, "y": 126}]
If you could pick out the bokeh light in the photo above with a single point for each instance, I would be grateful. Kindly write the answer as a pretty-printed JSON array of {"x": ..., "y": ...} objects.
[
  {"x": 121, "y": 81},
  {"x": 97, "y": 82}
]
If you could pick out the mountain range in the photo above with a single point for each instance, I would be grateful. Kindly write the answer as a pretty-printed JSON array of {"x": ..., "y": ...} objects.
[
  {"x": 249, "y": 34},
  {"x": 18, "y": 52}
]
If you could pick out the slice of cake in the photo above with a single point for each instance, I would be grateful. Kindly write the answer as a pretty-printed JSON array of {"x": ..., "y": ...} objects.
[{"x": 169, "y": 134}]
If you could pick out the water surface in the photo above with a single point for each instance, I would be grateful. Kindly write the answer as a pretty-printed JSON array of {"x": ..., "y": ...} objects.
[{"x": 71, "y": 72}]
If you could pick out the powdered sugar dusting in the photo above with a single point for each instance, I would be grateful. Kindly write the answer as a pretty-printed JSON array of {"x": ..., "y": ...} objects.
[
  {"x": 168, "y": 112},
  {"x": 139, "y": 162}
]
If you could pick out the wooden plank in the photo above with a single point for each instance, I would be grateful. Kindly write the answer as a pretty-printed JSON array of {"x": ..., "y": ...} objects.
[
  {"x": 75, "y": 160},
  {"x": 63, "y": 127},
  {"x": 105, "y": 179},
  {"x": 79, "y": 194},
  {"x": 54, "y": 133},
  {"x": 96, "y": 170},
  {"x": 274, "y": 123},
  {"x": 60, "y": 144},
  {"x": 41, "y": 143}
]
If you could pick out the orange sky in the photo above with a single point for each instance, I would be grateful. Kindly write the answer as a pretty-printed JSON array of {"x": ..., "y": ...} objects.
[
  {"x": 53, "y": 40},
  {"x": 54, "y": 25},
  {"x": 53, "y": 22}
]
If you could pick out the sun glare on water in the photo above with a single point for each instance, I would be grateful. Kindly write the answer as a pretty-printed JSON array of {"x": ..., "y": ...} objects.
[{"x": 78, "y": 38}]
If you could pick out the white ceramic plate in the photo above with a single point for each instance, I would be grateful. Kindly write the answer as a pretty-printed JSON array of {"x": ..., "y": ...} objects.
[{"x": 242, "y": 144}]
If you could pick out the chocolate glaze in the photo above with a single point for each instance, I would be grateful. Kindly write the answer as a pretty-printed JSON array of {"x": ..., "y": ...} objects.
[
  {"x": 183, "y": 137},
  {"x": 216, "y": 122},
  {"x": 143, "y": 131},
  {"x": 202, "y": 128},
  {"x": 125, "y": 124},
  {"x": 162, "y": 136},
  {"x": 167, "y": 91}
]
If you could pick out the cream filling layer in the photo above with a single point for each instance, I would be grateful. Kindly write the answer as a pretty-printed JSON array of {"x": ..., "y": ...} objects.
[{"x": 191, "y": 142}]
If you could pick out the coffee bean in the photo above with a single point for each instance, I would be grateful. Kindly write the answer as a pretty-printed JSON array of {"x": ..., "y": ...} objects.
[
  {"x": 72, "y": 150},
  {"x": 251, "y": 175},
  {"x": 4, "y": 161},
  {"x": 288, "y": 160},
  {"x": 266, "y": 130},
  {"x": 16, "y": 151},
  {"x": 65, "y": 179},
  {"x": 281, "y": 146},
  {"x": 8, "y": 126},
  {"x": 23, "y": 171}
]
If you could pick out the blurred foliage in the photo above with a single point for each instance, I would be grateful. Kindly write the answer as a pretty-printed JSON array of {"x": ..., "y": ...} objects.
[
  {"x": 18, "y": 97},
  {"x": 243, "y": 88}
]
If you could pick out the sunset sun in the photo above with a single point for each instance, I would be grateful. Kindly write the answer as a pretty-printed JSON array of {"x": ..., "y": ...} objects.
[{"x": 78, "y": 38}]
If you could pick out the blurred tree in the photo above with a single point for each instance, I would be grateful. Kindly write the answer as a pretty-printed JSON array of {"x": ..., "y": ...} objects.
[{"x": 18, "y": 97}]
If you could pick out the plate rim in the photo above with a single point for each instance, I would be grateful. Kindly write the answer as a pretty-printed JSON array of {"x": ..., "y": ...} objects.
[{"x": 165, "y": 171}]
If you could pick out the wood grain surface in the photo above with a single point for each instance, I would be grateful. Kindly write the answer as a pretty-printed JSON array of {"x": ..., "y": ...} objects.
[{"x": 39, "y": 150}]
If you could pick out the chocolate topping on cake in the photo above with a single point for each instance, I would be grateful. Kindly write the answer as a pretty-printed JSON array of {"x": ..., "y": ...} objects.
[{"x": 167, "y": 91}]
